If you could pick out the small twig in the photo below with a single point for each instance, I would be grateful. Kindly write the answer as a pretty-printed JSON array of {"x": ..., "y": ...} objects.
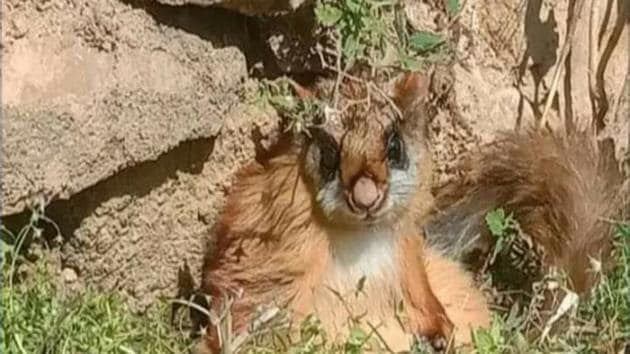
[
  {"x": 339, "y": 73},
  {"x": 570, "y": 301},
  {"x": 351, "y": 103},
  {"x": 611, "y": 221},
  {"x": 374, "y": 330},
  {"x": 566, "y": 48},
  {"x": 213, "y": 319},
  {"x": 342, "y": 74},
  {"x": 388, "y": 99},
  {"x": 343, "y": 301},
  {"x": 257, "y": 327},
  {"x": 225, "y": 327}
]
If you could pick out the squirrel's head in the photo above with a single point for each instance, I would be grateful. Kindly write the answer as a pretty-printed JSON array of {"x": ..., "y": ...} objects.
[{"x": 366, "y": 161}]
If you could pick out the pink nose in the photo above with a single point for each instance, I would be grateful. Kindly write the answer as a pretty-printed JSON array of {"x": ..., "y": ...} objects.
[{"x": 365, "y": 193}]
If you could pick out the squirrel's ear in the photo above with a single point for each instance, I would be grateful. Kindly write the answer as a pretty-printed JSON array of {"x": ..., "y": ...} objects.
[
  {"x": 410, "y": 89},
  {"x": 410, "y": 92}
]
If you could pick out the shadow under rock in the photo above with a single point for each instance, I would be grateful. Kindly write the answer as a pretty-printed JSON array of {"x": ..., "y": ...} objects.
[{"x": 136, "y": 181}]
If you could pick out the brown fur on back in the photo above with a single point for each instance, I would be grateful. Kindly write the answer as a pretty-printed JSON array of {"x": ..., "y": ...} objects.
[{"x": 561, "y": 190}]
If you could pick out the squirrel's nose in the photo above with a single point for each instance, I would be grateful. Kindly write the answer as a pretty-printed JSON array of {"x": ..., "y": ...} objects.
[{"x": 365, "y": 193}]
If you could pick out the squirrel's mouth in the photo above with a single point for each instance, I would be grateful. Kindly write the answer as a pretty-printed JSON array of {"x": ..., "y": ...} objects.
[
  {"x": 368, "y": 216},
  {"x": 366, "y": 198},
  {"x": 367, "y": 213}
]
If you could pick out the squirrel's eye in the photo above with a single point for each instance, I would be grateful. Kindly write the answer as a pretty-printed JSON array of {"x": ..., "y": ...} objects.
[
  {"x": 328, "y": 154},
  {"x": 396, "y": 150},
  {"x": 329, "y": 161}
]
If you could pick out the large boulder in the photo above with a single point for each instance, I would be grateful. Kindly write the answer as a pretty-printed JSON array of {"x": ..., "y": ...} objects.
[{"x": 111, "y": 114}]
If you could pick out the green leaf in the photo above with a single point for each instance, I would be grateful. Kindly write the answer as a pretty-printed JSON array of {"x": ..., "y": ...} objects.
[
  {"x": 623, "y": 231},
  {"x": 357, "y": 336},
  {"x": 452, "y": 7},
  {"x": 498, "y": 247},
  {"x": 425, "y": 41},
  {"x": 351, "y": 47},
  {"x": 410, "y": 63},
  {"x": 355, "y": 6},
  {"x": 373, "y": 25},
  {"x": 282, "y": 102},
  {"x": 495, "y": 332},
  {"x": 327, "y": 15},
  {"x": 497, "y": 222},
  {"x": 483, "y": 341}
]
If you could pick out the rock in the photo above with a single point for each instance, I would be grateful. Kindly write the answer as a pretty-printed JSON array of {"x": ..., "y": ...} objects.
[
  {"x": 69, "y": 275},
  {"x": 506, "y": 55},
  {"x": 128, "y": 122},
  {"x": 134, "y": 230},
  {"x": 109, "y": 92}
]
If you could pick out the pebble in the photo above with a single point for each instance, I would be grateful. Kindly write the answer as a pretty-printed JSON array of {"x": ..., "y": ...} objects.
[{"x": 69, "y": 275}]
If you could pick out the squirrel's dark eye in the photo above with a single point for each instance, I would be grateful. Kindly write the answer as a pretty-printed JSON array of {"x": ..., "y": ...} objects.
[
  {"x": 396, "y": 154},
  {"x": 328, "y": 154},
  {"x": 329, "y": 161}
]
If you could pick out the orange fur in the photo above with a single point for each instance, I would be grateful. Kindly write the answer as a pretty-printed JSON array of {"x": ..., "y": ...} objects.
[
  {"x": 271, "y": 244},
  {"x": 287, "y": 236},
  {"x": 464, "y": 303}
]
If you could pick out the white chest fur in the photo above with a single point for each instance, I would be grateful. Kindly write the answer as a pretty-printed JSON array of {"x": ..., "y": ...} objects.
[
  {"x": 372, "y": 255},
  {"x": 367, "y": 254}
]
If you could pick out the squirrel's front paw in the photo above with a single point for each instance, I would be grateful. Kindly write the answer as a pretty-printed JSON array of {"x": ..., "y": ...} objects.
[{"x": 437, "y": 331}]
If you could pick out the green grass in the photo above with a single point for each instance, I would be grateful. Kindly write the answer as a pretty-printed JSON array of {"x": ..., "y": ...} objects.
[
  {"x": 599, "y": 325},
  {"x": 39, "y": 317}
]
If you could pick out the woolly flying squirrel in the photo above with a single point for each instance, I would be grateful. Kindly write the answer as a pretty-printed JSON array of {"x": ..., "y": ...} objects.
[{"x": 340, "y": 209}]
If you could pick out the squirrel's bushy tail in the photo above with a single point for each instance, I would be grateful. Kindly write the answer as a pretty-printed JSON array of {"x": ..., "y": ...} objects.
[{"x": 563, "y": 190}]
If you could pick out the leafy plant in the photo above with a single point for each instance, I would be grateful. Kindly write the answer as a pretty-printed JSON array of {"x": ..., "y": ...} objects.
[
  {"x": 41, "y": 320},
  {"x": 610, "y": 301},
  {"x": 376, "y": 33},
  {"x": 299, "y": 115},
  {"x": 502, "y": 227},
  {"x": 361, "y": 27},
  {"x": 356, "y": 340}
]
